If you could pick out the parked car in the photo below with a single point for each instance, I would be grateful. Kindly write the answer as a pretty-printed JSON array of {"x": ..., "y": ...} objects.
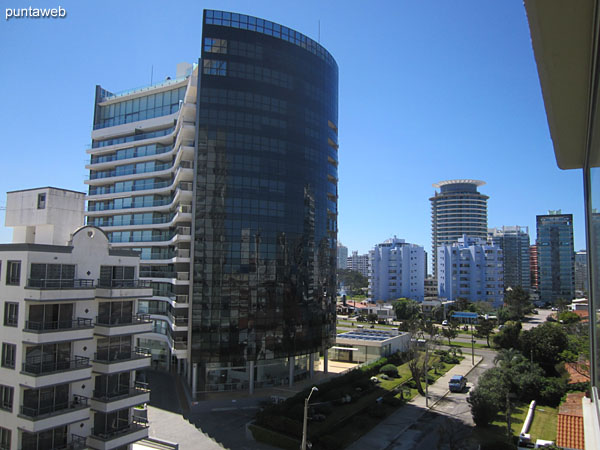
[
  {"x": 445, "y": 323},
  {"x": 457, "y": 383}
]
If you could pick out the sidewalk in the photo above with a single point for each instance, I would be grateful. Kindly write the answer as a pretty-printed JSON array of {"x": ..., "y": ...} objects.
[{"x": 393, "y": 426}]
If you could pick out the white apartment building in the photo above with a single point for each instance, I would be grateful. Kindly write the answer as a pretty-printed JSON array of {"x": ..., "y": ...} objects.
[
  {"x": 397, "y": 269},
  {"x": 359, "y": 263},
  {"x": 471, "y": 269},
  {"x": 140, "y": 193},
  {"x": 342, "y": 256},
  {"x": 68, "y": 330}
]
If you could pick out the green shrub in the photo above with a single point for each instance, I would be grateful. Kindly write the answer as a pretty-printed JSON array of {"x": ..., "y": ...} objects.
[
  {"x": 390, "y": 370},
  {"x": 553, "y": 391}
]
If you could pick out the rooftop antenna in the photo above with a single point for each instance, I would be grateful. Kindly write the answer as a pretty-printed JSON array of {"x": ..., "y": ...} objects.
[
  {"x": 319, "y": 38},
  {"x": 151, "y": 74}
]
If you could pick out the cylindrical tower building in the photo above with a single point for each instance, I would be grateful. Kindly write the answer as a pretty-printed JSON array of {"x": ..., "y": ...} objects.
[
  {"x": 457, "y": 209},
  {"x": 265, "y": 209}
]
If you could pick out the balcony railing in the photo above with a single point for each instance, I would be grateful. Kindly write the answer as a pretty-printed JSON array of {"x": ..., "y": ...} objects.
[
  {"x": 99, "y": 159},
  {"x": 77, "y": 442},
  {"x": 181, "y": 298},
  {"x": 128, "y": 171},
  {"x": 61, "y": 325},
  {"x": 122, "y": 320},
  {"x": 121, "y": 392},
  {"x": 44, "y": 283},
  {"x": 78, "y": 402},
  {"x": 100, "y": 206},
  {"x": 106, "y": 434},
  {"x": 36, "y": 366},
  {"x": 117, "y": 355},
  {"x": 180, "y": 345},
  {"x": 123, "y": 284},
  {"x": 148, "y": 273}
]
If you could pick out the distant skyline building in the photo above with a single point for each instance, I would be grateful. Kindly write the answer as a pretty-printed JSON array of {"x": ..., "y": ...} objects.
[
  {"x": 556, "y": 257},
  {"x": 457, "y": 209},
  {"x": 533, "y": 268},
  {"x": 473, "y": 269},
  {"x": 342, "y": 256},
  {"x": 581, "y": 276},
  {"x": 396, "y": 270},
  {"x": 514, "y": 242},
  {"x": 359, "y": 263}
]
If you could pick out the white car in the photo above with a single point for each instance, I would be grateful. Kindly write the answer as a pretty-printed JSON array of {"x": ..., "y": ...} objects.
[{"x": 445, "y": 323}]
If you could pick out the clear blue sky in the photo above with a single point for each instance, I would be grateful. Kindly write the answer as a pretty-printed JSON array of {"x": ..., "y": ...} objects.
[{"x": 429, "y": 91}]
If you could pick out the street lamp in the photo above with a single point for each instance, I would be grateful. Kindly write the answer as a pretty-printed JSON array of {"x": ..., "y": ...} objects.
[{"x": 303, "y": 447}]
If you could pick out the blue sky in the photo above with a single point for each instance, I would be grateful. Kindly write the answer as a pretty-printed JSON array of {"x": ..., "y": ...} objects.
[{"x": 429, "y": 91}]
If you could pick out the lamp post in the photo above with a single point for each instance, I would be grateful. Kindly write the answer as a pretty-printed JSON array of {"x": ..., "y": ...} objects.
[{"x": 304, "y": 425}]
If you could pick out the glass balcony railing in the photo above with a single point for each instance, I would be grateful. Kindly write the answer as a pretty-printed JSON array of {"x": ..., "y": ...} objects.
[
  {"x": 141, "y": 204},
  {"x": 131, "y": 153},
  {"x": 38, "y": 366},
  {"x": 61, "y": 325},
  {"x": 44, "y": 283},
  {"x": 132, "y": 138},
  {"x": 123, "y": 284},
  {"x": 113, "y": 393},
  {"x": 128, "y": 171},
  {"x": 113, "y": 355},
  {"x": 119, "y": 429},
  {"x": 55, "y": 408},
  {"x": 123, "y": 320},
  {"x": 102, "y": 190}
]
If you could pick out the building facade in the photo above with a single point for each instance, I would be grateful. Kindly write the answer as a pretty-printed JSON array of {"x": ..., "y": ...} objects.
[
  {"x": 342, "y": 256},
  {"x": 471, "y": 269},
  {"x": 69, "y": 330},
  {"x": 514, "y": 242},
  {"x": 556, "y": 257},
  {"x": 457, "y": 209},
  {"x": 396, "y": 270},
  {"x": 225, "y": 178},
  {"x": 359, "y": 263},
  {"x": 581, "y": 276},
  {"x": 533, "y": 268}
]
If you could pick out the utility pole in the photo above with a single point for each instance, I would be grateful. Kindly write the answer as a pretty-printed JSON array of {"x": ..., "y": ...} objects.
[
  {"x": 304, "y": 425},
  {"x": 472, "y": 346}
]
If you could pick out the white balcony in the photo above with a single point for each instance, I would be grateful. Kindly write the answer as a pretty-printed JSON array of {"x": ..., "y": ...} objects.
[
  {"x": 43, "y": 332},
  {"x": 36, "y": 420},
  {"x": 125, "y": 398},
  {"x": 37, "y": 373},
  {"x": 106, "y": 326},
  {"x": 109, "y": 439},
  {"x": 109, "y": 363},
  {"x": 59, "y": 290}
]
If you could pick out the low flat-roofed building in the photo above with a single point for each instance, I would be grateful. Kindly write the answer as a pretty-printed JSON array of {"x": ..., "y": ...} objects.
[{"x": 368, "y": 345}]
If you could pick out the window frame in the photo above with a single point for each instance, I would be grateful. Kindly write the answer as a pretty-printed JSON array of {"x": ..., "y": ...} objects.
[
  {"x": 11, "y": 319},
  {"x": 13, "y": 279},
  {"x": 9, "y": 349}
]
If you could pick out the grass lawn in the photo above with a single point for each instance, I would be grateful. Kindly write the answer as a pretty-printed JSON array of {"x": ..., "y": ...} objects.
[
  {"x": 544, "y": 423},
  {"x": 466, "y": 344},
  {"x": 542, "y": 427}
]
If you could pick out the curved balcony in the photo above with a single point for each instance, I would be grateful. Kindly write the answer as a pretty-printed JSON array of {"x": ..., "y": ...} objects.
[
  {"x": 116, "y": 326},
  {"x": 120, "y": 397},
  {"x": 111, "y": 361}
]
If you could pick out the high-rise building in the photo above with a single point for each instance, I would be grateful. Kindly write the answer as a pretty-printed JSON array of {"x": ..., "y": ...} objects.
[
  {"x": 581, "y": 276},
  {"x": 359, "y": 263},
  {"x": 556, "y": 257},
  {"x": 397, "y": 270},
  {"x": 342, "y": 256},
  {"x": 225, "y": 178},
  {"x": 68, "y": 334},
  {"x": 457, "y": 209},
  {"x": 471, "y": 268},
  {"x": 533, "y": 268},
  {"x": 514, "y": 242}
]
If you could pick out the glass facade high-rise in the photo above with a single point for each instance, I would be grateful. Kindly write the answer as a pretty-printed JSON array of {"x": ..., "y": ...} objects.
[
  {"x": 514, "y": 242},
  {"x": 265, "y": 206},
  {"x": 556, "y": 257},
  {"x": 457, "y": 209},
  {"x": 225, "y": 179}
]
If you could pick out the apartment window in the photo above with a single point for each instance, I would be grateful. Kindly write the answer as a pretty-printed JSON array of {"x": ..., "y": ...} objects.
[
  {"x": 13, "y": 273},
  {"x": 11, "y": 314},
  {"x": 41, "y": 201},
  {"x": 6, "y": 397},
  {"x": 4, "y": 439},
  {"x": 9, "y": 353}
]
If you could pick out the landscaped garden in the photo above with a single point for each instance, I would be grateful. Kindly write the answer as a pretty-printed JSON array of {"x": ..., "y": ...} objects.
[{"x": 346, "y": 407}]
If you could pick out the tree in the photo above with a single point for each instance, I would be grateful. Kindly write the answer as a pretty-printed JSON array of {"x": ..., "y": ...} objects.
[
  {"x": 562, "y": 304},
  {"x": 485, "y": 328},
  {"x": 544, "y": 344},
  {"x": 451, "y": 331},
  {"x": 406, "y": 309},
  {"x": 488, "y": 397},
  {"x": 508, "y": 337},
  {"x": 352, "y": 281},
  {"x": 568, "y": 317},
  {"x": 517, "y": 302},
  {"x": 372, "y": 318}
]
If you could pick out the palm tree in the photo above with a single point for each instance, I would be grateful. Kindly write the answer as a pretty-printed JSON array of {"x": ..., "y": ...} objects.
[{"x": 508, "y": 357}]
